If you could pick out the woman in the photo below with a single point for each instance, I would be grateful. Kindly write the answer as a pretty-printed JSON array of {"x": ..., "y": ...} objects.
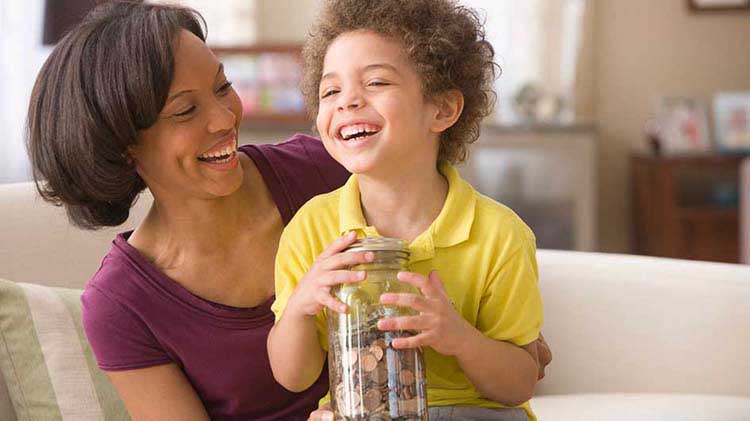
[{"x": 179, "y": 312}]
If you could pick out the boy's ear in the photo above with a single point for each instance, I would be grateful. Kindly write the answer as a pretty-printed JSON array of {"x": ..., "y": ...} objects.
[{"x": 449, "y": 105}]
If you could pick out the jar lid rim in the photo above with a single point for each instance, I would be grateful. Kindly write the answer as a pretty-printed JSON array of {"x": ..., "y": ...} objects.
[{"x": 380, "y": 244}]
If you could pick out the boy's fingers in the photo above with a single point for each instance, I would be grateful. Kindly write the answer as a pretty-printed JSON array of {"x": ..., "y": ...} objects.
[
  {"x": 416, "y": 323},
  {"x": 339, "y": 245},
  {"x": 417, "y": 280},
  {"x": 436, "y": 282},
  {"x": 414, "y": 301},
  {"x": 342, "y": 277},
  {"x": 411, "y": 341},
  {"x": 333, "y": 303},
  {"x": 342, "y": 260}
]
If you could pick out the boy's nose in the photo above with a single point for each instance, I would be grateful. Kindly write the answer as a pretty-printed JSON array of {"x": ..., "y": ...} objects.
[{"x": 350, "y": 102}]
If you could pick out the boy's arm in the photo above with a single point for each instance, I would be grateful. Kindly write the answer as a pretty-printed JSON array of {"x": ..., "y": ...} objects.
[
  {"x": 501, "y": 356},
  {"x": 294, "y": 351},
  {"x": 303, "y": 286},
  {"x": 492, "y": 354},
  {"x": 500, "y": 371}
]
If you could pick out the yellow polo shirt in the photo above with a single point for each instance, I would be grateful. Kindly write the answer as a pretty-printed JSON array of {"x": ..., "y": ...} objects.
[{"x": 483, "y": 252}]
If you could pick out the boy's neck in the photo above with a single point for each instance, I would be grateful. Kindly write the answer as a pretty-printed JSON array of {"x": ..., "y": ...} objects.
[{"x": 403, "y": 205}]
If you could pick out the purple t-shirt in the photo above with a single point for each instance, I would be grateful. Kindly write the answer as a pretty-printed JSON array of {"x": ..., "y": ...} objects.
[{"x": 135, "y": 316}]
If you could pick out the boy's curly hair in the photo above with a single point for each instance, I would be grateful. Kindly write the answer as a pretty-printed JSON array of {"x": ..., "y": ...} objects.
[{"x": 444, "y": 41}]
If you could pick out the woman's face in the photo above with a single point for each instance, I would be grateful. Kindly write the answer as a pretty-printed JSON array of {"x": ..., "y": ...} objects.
[{"x": 191, "y": 150}]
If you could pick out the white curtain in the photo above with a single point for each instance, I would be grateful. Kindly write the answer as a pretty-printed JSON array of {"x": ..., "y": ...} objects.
[
  {"x": 21, "y": 56},
  {"x": 537, "y": 42}
]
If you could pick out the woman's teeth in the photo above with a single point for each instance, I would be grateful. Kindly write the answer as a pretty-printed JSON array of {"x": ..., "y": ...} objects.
[{"x": 220, "y": 156}]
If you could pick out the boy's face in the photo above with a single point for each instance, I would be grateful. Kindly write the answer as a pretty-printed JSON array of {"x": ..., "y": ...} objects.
[{"x": 373, "y": 117}]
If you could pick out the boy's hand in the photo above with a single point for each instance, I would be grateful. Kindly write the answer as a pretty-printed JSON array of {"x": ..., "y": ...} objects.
[
  {"x": 313, "y": 292},
  {"x": 324, "y": 413},
  {"x": 438, "y": 323}
]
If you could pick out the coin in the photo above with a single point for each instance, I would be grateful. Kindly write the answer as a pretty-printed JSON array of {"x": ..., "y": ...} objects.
[
  {"x": 372, "y": 400},
  {"x": 352, "y": 357},
  {"x": 380, "y": 375},
  {"x": 369, "y": 362},
  {"x": 376, "y": 351},
  {"x": 406, "y": 377}
]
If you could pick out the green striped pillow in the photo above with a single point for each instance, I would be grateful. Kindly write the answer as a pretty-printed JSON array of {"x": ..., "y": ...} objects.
[{"x": 45, "y": 358}]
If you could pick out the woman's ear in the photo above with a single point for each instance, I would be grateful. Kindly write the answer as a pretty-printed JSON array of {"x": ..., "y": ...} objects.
[{"x": 450, "y": 105}]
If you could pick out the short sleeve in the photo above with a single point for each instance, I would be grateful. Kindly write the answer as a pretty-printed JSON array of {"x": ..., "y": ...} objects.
[
  {"x": 294, "y": 258},
  {"x": 118, "y": 338},
  {"x": 511, "y": 307}
]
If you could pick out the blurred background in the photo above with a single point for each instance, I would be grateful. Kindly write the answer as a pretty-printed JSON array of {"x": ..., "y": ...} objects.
[{"x": 621, "y": 126}]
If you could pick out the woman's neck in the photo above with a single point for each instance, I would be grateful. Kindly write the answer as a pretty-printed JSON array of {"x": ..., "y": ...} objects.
[
  {"x": 403, "y": 204},
  {"x": 179, "y": 227}
]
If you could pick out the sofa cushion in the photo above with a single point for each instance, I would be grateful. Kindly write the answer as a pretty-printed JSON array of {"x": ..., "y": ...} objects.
[
  {"x": 45, "y": 359},
  {"x": 641, "y": 407}
]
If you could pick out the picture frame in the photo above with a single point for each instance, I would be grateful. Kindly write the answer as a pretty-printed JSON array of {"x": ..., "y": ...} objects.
[
  {"x": 731, "y": 112},
  {"x": 718, "y": 5},
  {"x": 682, "y": 126}
]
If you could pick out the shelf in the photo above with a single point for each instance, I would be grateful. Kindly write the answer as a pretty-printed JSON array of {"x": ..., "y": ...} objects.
[
  {"x": 259, "y": 49},
  {"x": 298, "y": 121},
  {"x": 708, "y": 212}
]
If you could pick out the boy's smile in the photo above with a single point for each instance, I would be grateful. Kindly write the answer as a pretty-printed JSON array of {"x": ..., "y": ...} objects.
[{"x": 373, "y": 117}]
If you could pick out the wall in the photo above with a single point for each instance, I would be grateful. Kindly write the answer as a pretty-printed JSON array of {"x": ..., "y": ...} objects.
[
  {"x": 643, "y": 49},
  {"x": 285, "y": 21}
]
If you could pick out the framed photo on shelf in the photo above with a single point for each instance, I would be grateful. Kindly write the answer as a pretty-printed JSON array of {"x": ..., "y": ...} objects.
[
  {"x": 732, "y": 121},
  {"x": 718, "y": 5},
  {"x": 682, "y": 126}
]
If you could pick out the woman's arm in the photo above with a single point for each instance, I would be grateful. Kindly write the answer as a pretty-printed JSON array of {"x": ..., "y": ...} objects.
[{"x": 161, "y": 392}]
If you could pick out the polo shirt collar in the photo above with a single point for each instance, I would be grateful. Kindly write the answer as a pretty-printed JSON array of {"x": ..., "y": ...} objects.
[{"x": 451, "y": 227}]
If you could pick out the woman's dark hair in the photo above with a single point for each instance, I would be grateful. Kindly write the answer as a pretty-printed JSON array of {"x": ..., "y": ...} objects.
[{"x": 105, "y": 81}]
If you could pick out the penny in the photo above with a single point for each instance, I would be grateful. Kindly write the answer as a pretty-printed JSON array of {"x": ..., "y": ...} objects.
[
  {"x": 379, "y": 376},
  {"x": 372, "y": 399},
  {"x": 369, "y": 362},
  {"x": 406, "y": 377},
  {"x": 376, "y": 351},
  {"x": 352, "y": 357},
  {"x": 409, "y": 406}
]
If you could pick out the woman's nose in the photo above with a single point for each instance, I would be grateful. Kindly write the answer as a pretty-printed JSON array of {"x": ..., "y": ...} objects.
[{"x": 221, "y": 117}]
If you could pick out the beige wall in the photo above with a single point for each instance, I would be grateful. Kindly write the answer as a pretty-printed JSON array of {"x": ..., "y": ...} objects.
[
  {"x": 643, "y": 49},
  {"x": 285, "y": 21}
]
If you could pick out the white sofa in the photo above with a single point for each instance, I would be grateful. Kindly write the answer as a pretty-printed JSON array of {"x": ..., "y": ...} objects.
[{"x": 634, "y": 338}]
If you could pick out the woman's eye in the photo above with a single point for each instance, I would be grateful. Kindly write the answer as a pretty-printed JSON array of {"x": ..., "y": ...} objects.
[
  {"x": 186, "y": 112},
  {"x": 225, "y": 88}
]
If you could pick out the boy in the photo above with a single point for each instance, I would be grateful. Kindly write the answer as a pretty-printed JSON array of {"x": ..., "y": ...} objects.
[{"x": 399, "y": 89}]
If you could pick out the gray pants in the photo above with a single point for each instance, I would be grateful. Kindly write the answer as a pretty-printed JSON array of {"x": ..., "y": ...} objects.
[{"x": 470, "y": 413}]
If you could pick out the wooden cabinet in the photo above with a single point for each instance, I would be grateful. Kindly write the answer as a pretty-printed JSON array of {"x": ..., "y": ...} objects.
[{"x": 686, "y": 207}]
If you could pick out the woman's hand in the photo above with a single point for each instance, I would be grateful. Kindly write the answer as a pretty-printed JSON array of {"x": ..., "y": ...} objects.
[
  {"x": 324, "y": 413},
  {"x": 313, "y": 292},
  {"x": 438, "y": 323}
]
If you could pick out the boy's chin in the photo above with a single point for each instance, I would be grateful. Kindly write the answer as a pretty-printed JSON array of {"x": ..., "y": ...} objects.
[{"x": 359, "y": 166}]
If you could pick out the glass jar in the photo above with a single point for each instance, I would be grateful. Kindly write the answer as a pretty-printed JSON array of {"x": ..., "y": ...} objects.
[{"x": 369, "y": 379}]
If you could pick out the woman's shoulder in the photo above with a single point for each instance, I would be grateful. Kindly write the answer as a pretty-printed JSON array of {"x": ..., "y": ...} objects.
[{"x": 296, "y": 170}]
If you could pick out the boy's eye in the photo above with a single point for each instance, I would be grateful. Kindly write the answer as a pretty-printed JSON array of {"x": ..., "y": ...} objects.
[
  {"x": 224, "y": 89},
  {"x": 328, "y": 93},
  {"x": 378, "y": 83},
  {"x": 186, "y": 112}
]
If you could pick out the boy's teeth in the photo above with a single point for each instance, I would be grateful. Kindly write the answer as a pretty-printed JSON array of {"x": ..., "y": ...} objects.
[{"x": 355, "y": 129}]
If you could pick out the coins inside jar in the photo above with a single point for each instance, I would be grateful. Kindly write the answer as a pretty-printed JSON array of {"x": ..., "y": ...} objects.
[{"x": 371, "y": 380}]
